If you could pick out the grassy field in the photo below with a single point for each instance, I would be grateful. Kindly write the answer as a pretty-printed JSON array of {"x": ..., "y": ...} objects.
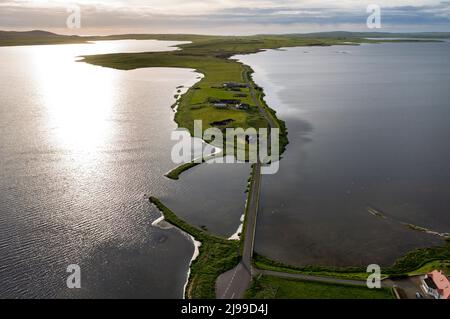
[
  {"x": 267, "y": 287},
  {"x": 217, "y": 255},
  {"x": 195, "y": 104},
  {"x": 210, "y": 55}
]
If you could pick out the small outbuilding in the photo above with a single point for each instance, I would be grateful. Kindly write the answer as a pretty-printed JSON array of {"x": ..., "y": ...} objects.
[
  {"x": 234, "y": 85},
  {"x": 242, "y": 106}
]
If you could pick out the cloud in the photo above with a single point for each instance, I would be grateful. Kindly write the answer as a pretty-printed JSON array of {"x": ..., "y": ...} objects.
[{"x": 222, "y": 14}]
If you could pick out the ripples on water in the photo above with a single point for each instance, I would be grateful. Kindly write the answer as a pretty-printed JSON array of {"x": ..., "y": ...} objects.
[
  {"x": 367, "y": 128},
  {"x": 80, "y": 148}
]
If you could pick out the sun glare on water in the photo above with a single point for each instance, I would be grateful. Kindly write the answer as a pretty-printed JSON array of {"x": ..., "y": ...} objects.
[{"x": 79, "y": 105}]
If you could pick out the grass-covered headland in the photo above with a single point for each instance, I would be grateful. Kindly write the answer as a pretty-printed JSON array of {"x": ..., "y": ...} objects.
[
  {"x": 223, "y": 97},
  {"x": 217, "y": 255},
  {"x": 212, "y": 100},
  {"x": 176, "y": 173}
]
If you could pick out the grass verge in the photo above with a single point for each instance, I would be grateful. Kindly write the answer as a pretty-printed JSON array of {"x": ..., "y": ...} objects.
[
  {"x": 268, "y": 287},
  {"x": 417, "y": 259},
  {"x": 271, "y": 113},
  {"x": 416, "y": 262},
  {"x": 356, "y": 273},
  {"x": 443, "y": 265},
  {"x": 217, "y": 255},
  {"x": 249, "y": 191}
]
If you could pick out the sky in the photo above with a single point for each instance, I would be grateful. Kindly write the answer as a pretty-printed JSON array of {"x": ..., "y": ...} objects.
[{"x": 222, "y": 16}]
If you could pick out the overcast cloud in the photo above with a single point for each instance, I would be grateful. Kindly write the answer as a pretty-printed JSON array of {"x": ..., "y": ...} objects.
[{"x": 224, "y": 16}]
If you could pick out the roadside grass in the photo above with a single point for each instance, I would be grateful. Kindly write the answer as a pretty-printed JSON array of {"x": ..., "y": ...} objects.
[
  {"x": 415, "y": 262},
  {"x": 249, "y": 190},
  {"x": 217, "y": 255},
  {"x": 419, "y": 258},
  {"x": 355, "y": 273},
  {"x": 270, "y": 113},
  {"x": 443, "y": 265},
  {"x": 268, "y": 287}
]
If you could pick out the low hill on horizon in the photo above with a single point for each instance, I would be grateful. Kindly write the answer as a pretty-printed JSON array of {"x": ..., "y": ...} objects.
[{"x": 41, "y": 37}]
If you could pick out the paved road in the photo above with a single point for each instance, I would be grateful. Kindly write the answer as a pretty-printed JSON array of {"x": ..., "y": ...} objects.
[
  {"x": 233, "y": 284},
  {"x": 252, "y": 215},
  {"x": 408, "y": 287},
  {"x": 257, "y": 102}
]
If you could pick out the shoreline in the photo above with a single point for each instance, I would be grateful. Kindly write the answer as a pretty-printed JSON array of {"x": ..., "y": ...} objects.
[
  {"x": 175, "y": 173},
  {"x": 237, "y": 235},
  {"x": 197, "y": 245},
  {"x": 161, "y": 223},
  {"x": 215, "y": 255}
]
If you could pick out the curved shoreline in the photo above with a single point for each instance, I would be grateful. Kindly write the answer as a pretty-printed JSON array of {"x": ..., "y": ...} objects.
[
  {"x": 197, "y": 246},
  {"x": 175, "y": 173},
  {"x": 164, "y": 225}
]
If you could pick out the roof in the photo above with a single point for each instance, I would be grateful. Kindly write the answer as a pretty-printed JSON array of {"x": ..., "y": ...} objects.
[{"x": 442, "y": 283}]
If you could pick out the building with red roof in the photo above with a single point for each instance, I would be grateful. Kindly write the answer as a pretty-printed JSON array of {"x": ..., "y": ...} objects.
[{"x": 437, "y": 284}]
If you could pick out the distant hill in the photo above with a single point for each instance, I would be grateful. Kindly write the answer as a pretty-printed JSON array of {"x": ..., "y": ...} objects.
[
  {"x": 27, "y": 34},
  {"x": 39, "y": 37},
  {"x": 35, "y": 37}
]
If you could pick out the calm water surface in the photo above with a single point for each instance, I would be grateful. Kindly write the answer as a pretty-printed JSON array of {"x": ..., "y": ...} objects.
[
  {"x": 81, "y": 148},
  {"x": 369, "y": 127}
]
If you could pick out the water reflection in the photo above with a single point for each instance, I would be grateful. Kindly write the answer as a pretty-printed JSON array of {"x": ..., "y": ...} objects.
[
  {"x": 78, "y": 106},
  {"x": 80, "y": 147},
  {"x": 368, "y": 128}
]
